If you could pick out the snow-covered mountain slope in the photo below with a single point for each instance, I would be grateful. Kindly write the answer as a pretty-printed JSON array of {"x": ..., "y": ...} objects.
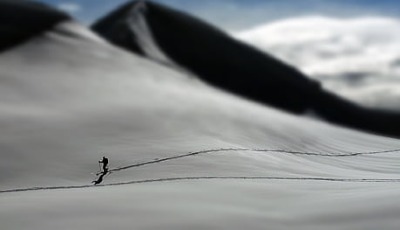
[
  {"x": 183, "y": 154},
  {"x": 179, "y": 40},
  {"x": 357, "y": 58},
  {"x": 207, "y": 52},
  {"x": 83, "y": 97}
]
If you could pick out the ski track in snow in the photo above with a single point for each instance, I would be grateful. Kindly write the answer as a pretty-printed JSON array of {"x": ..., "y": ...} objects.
[
  {"x": 155, "y": 161},
  {"x": 171, "y": 179}
]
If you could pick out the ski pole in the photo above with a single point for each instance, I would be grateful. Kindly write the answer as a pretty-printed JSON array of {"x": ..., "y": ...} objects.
[{"x": 99, "y": 166}]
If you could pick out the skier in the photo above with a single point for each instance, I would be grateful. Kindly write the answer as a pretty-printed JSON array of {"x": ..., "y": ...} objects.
[{"x": 104, "y": 161}]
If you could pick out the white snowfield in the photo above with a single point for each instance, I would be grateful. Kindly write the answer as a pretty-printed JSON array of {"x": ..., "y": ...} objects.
[{"x": 183, "y": 155}]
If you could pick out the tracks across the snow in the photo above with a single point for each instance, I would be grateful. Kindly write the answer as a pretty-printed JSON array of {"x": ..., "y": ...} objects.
[
  {"x": 159, "y": 160},
  {"x": 200, "y": 178}
]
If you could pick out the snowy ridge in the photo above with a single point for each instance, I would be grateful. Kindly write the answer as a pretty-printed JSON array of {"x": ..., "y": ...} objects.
[
  {"x": 137, "y": 23},
  {"x": 218, "y": 59}
]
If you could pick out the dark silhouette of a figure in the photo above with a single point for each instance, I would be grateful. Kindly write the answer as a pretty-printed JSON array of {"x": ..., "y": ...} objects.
[
  {"x": 104, "y": 161},
  {"x": 105, "y": 171},
  {"x": 100, "y": 179}
]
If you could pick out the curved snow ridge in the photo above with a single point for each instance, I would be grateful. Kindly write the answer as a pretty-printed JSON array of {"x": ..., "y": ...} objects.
[
  {"x": 198, "y": 178},
  {"x": 138, "y": 24},
  {"x": 159, "y": 160}
]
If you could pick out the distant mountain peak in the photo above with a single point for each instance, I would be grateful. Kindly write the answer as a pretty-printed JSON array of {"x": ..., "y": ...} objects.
[
  {"x": 168, "y": 35},
  {"x": 115, "y": 28}
]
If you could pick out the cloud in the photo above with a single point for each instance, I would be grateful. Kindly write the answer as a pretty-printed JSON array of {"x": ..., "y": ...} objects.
[
  {"x": 356, "y": 58},
  {"x": 70, "y": 7},
  {"x": 234, "y": 15}
]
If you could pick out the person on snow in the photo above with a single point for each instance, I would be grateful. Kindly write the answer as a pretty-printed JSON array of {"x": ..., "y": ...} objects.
[{"x": 104, "y": 161}]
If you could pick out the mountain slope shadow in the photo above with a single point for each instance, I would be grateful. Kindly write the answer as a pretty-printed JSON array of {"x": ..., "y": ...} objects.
[
  {"x": 233, "y": 66},
  {"x": 22, "y": 20}
]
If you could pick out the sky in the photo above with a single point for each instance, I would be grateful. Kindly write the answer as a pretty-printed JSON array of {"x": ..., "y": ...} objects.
[{"x": 241, "y": 14}]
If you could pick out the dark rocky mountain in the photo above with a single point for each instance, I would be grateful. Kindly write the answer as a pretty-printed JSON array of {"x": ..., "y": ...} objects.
[
  {"x": 210, "y": 54},
  {"x": 21, "y": 20},
  {"x": 234, "y": 66}
]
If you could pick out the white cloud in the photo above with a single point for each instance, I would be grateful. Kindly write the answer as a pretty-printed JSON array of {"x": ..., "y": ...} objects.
[
  {"x": 69, "y": 7},
  {"x": 357, "y": 58}
]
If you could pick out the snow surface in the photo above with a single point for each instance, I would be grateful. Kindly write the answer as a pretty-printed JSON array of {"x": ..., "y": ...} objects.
[
  {"x": 184, "y": 155},
  {"x": 358, "y": 57}
]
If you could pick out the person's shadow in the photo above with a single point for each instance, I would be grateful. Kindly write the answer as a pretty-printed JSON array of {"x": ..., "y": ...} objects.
[{"x": 100, "y": 179}]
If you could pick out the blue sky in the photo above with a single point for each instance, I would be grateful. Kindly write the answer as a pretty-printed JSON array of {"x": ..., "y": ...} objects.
[{"x": 240, "y": 14}]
